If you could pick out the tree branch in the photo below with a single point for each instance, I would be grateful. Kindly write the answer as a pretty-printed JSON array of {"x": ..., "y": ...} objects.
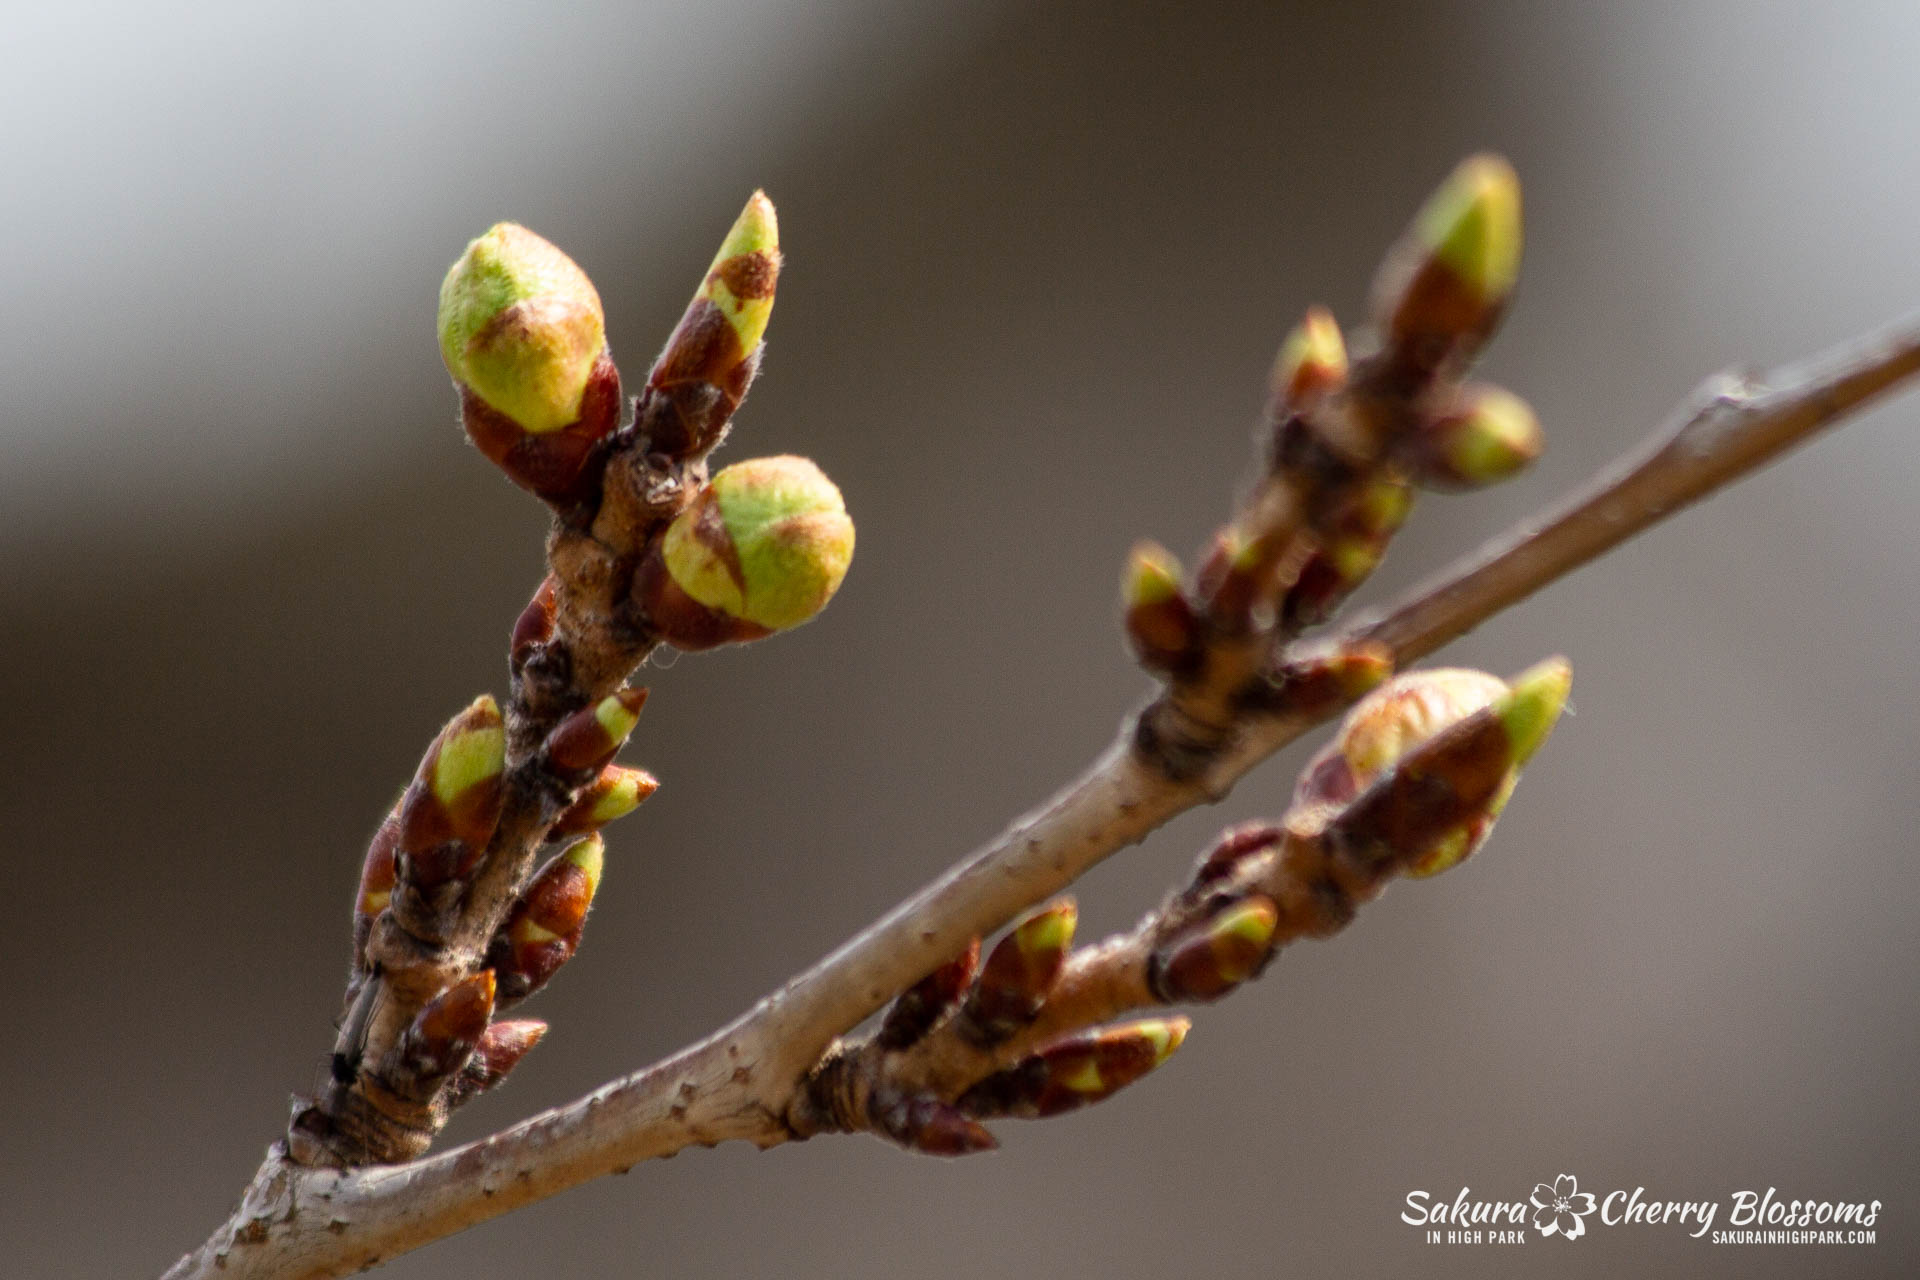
[{"x": 742, "y": 1082}]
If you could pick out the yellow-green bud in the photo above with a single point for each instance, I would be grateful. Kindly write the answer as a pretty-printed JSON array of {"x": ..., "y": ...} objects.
[
  {"x": 1312, "y": 361},
  {"x": 521, "y": 327},
  {"x": 766, "y": 544},
  {"x": 1482, "y": 435},
  {"x": 1394, "y": 737},
  {"x": 1471, "y": 225}
]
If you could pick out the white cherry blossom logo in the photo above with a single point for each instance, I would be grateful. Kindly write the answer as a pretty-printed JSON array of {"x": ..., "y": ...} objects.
[{"x": 1560, "y": 1207}]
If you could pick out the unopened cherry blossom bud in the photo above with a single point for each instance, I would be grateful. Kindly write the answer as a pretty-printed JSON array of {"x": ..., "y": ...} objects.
[
  {"x": 523, "y": 334},
  {"x": 1442, "y": 287},
  {"x": 761, "y": 549},
  {"x": 1480, "y": 435},
  {"x": 700, "y": 378},
  {"x": 1312, "y": 362},
  {"x": 1424, "y": 765},
  {"x": 1160, "y": 624}
]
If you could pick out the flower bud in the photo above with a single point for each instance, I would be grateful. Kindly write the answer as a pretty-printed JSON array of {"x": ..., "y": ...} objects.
[
  {"x": 762, "y": 548},
  {"x": 534, "y": 626},
  {"x": 523, "y": 334},
  {"x": 1218, "y": 954},
  {"x": 1077, "y": 1070},
  {"x": 448, "y": 814},
  {"x": 1481, "y": 435},
  {"x": 442, "y": 1037},
  {"x": 1423, "y": 766},
  {"x": 498, "y": 1052},
  {"x": 1312, "y": 362},
  {"x": 377, "y": 876},
  {"x": 587, "y": 739},
  {"x": 1159, "y": 622},
  {"x": 921, "y": 1006},
  {"x": 1443, "y": 286},
  {"x": 616, "y": 793},
  {"x": 923, "y": 1123},
  {"x": 1356, "y": 538},
  {"x": 543, "y": 928},
  {"x": 700, "y": 378},
  {"x": 1019, "y": 973}
]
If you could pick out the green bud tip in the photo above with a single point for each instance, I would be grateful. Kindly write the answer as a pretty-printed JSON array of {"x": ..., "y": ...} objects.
[
  {"x": 473, "y": 751},
  {"x": 1535, "y": 699},
  {"x": 1251, "y": 923},
  {"x": 629, "y": 788},
  {"x": 768, "y": 542},
  {"x": 1385, "y": 503},
  {"x": 1471, "y": 225},
  {"x": 588, "y": 854},
  {"x": 1050, "y": 931},
  {"x": 1164, "y": 1034},
  {"x": 740, "y": 281},
  {"x": 618, "y": 713},
  {"x": 1153, "y": 576},
  {"x": 521, "y": 326},
  {"x": 1313, "y": 357},
  {"x": 1498, "y": 437}
]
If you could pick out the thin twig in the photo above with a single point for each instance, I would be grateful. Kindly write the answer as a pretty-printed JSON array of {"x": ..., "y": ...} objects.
[{"x": 741, "y": 1082}]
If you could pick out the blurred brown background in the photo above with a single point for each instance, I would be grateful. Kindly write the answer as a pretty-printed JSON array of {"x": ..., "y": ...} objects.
[{"x": 1039, "y": 258}]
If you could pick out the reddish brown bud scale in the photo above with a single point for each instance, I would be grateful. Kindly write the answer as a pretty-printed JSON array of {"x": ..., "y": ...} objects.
[
  {"x": 1311, "y": 902},
  {"x": 1446, "y": 781},
  {"x": 1317, "y": 684},
  {"x": 1238, "y": 577},
  {"x": 543, "y": 929},
  {"x": 534, "y": 627},
  {"x": 615, "y": 793},
  {"x": 1471, "y": 437},
  {"x": 1019, "y": 972},
  {"x": 1234, "y": 846},
  {"x": 588, "y": 739},
  {"x": 1158, "y": 618},
  {"x": 377, "y": 874},
  {"x": 682, "y": 621},
  {"x": 500, "y": 1049},
  {"x": 1354, "y": 539},
  {"x": 1216, "y": 955},
  {"x": 928, "y": 1125},
  {"x": 445, "y": 1033},
  {"x": 555, "y": 465},
  {"x": 449, "y": 811},
  {"x": 697, "y": 385},
  {"x": 921, "y": 1006}
]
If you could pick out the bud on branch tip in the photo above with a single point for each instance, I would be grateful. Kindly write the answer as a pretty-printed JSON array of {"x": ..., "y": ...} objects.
[{"x": 1471, "y": 225}]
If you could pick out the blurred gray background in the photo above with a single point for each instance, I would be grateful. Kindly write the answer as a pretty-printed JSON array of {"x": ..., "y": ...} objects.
[{"x": 1039, "y": 258}]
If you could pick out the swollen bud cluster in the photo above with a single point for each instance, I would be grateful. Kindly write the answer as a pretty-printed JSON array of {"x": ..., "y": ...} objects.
[{"x": 1351, "y": 441}]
